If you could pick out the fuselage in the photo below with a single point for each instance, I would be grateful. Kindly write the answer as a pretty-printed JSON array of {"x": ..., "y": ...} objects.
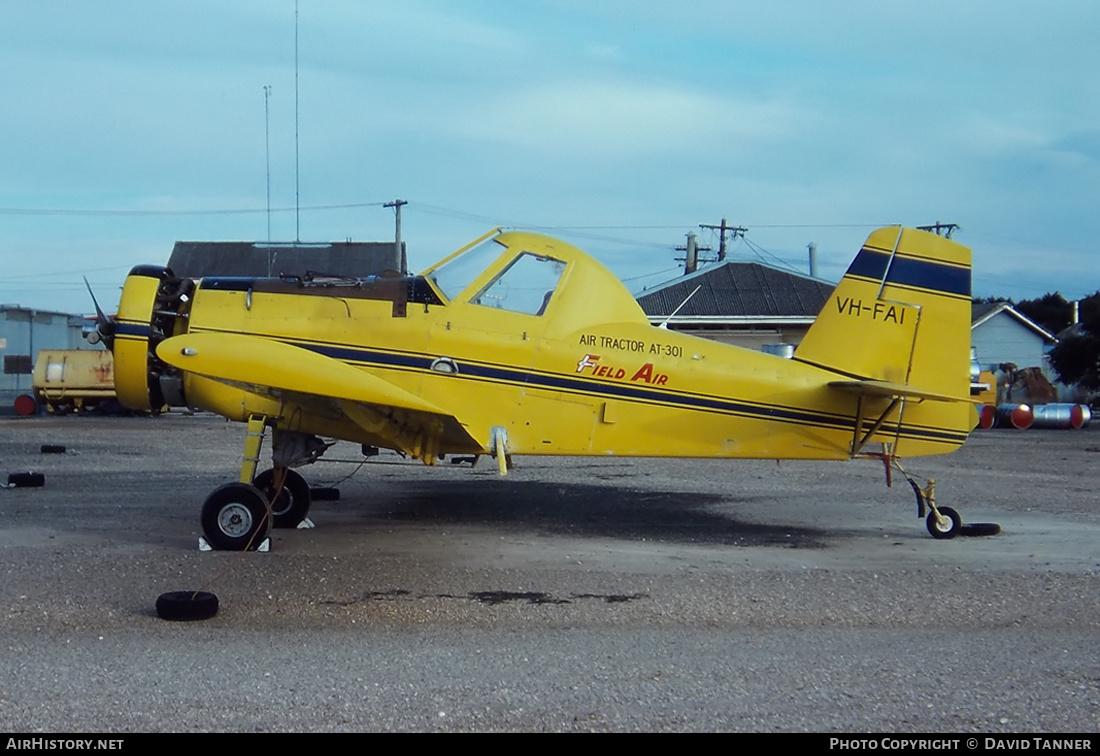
[{"x": 561, "y": 356}]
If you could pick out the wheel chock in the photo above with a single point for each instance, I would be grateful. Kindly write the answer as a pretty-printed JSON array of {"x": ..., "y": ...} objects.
[{"x": 265, "y": 545}]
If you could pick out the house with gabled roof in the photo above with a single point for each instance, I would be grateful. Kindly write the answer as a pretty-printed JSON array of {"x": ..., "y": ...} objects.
[{"x": 1002, "y": 334}]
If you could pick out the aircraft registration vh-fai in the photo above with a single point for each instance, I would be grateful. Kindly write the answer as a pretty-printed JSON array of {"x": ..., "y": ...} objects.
[{"x": 520, "y": 344}]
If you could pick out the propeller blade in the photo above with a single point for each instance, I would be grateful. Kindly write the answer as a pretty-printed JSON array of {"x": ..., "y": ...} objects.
[{"x": 104, "y": 326}]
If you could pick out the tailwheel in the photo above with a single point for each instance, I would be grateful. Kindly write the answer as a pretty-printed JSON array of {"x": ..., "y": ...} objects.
[
  {"x": 290, "y": 498},
  {"x": 235, "y": 517},
  {"x": 944, "y": 522}
]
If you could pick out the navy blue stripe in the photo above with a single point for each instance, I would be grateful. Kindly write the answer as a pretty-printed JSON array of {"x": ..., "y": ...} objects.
[
  {"x": 132, "y": 329},
  {"x": 910, "y": 271},
  {"x": 557, "y": 382},
  {"x": 869, "y": 264}
]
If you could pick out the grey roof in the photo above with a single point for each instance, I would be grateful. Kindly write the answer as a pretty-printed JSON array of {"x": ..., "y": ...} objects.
[
  {"x": 1072, "y": 331},
  {"x": 355, "y": 259},
  {"x": 739, "y": 290},
  {"x": 978, "y": 310}
]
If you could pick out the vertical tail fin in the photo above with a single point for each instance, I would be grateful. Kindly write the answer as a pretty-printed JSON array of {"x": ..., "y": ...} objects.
[{"x": 900, "y": 314}]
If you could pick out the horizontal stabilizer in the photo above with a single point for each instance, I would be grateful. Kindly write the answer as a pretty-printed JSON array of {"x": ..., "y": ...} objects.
[{"x": 887, "y": 390}]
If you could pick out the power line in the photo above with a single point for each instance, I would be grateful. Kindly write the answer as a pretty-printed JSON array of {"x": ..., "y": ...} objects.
[{"x": 31, "y": 211}]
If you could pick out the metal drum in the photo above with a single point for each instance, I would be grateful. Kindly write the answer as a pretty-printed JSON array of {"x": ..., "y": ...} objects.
[{"x": 1062, "y": 416}]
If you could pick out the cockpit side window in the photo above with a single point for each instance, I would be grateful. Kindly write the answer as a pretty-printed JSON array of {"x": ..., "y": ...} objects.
[
  {"x": 525, "y": 286},
  {"x": 455, "y": 275}
]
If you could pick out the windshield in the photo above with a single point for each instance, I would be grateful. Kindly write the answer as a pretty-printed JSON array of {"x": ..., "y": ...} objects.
[
  {"x": 526, "y": 285},
  {"x": 455, "y": 275}
]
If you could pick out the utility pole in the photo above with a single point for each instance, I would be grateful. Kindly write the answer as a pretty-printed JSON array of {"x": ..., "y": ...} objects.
[
  {"x": 723, "y": 229},
  {"x": 691, "y": 261},
  {"x": 397, "y": 204}
]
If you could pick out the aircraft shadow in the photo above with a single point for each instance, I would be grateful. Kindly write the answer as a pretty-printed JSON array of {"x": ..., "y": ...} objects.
[{"x": 578, "y": 510}]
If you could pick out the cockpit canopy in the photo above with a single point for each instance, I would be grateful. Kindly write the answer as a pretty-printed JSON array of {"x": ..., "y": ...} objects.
[
  {"x": 532, "y": 274},
  {"x": 526, "y": 283}
]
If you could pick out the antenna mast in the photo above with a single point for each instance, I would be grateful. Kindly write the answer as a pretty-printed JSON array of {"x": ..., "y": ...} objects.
[
  {"x": 267, "y": 152},
  {"x": 297, "y": 194}
]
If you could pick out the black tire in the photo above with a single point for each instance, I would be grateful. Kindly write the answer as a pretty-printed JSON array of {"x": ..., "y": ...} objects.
[
  {"x": 183, "y": 606},
  {"x": 950, "y": 530},
  {"x": 324, "y": 493},
  {"x": 292, "y": 504},
  {"x": 980, "y": 529},
  {"x": 235, "y": 517},
  {"x": 52, "y": 449},
  {"x": 27, "y": 480}
]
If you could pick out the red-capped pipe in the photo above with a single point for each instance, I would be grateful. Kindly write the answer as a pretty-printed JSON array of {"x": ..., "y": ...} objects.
[
  {"x": 25, "y": 405},
  {"x": 987, "y": 416}
]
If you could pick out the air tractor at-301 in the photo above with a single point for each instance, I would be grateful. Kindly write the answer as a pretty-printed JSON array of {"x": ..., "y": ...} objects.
[{"x": 520, "y": 344}]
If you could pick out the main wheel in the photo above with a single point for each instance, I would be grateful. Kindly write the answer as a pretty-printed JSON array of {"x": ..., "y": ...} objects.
[
  {"x": 235, "y": 517},
  {"x": 292, "y": 504},
  {"x": 949, "y": 528}
]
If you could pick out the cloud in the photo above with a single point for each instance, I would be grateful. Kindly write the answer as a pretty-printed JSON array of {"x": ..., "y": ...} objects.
[{"x": 610, "y": 122}]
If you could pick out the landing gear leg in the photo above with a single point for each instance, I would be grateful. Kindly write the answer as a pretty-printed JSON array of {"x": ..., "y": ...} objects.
[{"x": 237, "y": 516}]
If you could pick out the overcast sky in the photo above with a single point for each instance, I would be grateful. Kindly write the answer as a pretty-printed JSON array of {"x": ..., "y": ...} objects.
[{"x": 618, "y": 125}]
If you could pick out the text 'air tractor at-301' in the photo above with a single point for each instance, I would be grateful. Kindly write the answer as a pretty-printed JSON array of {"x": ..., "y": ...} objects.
[{"x": 520, "y": 344}]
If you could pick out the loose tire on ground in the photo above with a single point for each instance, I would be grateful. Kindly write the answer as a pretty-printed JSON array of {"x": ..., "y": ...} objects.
[
  {"x": 52, "y": 449},
  {"x": 980, "y": 529},
  {"x": 948, "y": 530},
  {"x": 292, "y": 504},
  {"x": 26, "y": 480},
  {"x": 187, "y": 605},
  {"x": 235, "y": 517}
]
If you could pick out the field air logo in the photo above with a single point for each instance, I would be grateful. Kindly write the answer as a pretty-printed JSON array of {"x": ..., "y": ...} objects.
[{"x": 644, "y": 374}]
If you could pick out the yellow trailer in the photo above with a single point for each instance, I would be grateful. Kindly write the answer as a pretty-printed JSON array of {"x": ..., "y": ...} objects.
[{"x": 73, "y": 380}]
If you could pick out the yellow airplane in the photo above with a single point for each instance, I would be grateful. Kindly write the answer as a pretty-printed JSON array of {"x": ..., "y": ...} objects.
[{"x": 522, "y": 344}]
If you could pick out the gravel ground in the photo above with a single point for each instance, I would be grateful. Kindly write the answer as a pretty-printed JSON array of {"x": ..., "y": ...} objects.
[{"x": 572, "y": 595}]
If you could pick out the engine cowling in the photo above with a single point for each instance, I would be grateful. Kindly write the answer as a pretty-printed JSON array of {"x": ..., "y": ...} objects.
[{"x": 153, "y": 307}]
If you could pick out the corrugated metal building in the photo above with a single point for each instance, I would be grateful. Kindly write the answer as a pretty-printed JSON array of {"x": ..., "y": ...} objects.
[{"x": 23, "y": 332}]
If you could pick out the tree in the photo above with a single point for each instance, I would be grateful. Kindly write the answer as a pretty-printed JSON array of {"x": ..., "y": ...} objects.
[
  {"x": 1051, "y": 311},
  {"x": 1077, "y": 356}
]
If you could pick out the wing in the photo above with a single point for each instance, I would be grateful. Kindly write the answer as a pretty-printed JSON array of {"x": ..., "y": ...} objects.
[{"x": 317, "y": 383}]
